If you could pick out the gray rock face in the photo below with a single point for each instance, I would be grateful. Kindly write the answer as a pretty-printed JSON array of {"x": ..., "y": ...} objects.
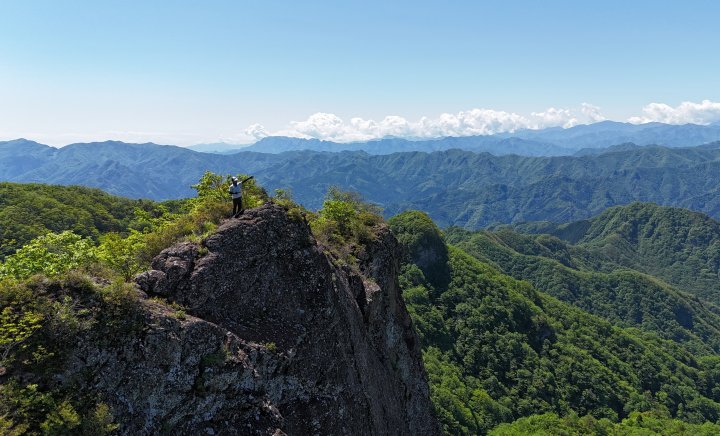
[{"x": 278, "y": 338}]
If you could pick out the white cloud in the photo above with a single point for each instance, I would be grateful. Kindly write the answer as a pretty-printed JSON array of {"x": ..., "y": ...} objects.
[
  {"x": 705, "y": 112},
  {"x": 320, "y": 125},
  {"x": 592, "y": 112},
  {"x": 328, "y": 126},
  {"x": 331, "y": 127},
  {"x": 472, "y": 122},
  {"x": 555, "y": 117},
  {"x": 256, "y": 131}
]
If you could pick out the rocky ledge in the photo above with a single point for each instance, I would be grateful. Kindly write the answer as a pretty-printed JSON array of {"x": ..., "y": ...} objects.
[{"x": 264, "y": 332}]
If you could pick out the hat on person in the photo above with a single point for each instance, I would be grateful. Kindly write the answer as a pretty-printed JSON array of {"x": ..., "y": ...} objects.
[{"x": 234, "y": 179}]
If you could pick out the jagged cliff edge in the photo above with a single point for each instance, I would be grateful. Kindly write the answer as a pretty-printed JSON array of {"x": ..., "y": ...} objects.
[{"x": 279, "y": 338}]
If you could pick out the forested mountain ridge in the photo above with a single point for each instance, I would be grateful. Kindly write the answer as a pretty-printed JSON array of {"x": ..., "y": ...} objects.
[
  {"x": 497, "y": 146},
  {"x": 131, "y": 170},
  {"x": 497, "y": 349},
  {"x": 474, "y": 190},
  {"x": 21, "y": 155},
  {"x": 677, "y": 245},
  {"x": 595, "y": 284},
  {"x": 33, "y": 209},
  {"x": 455, "y": 187}
]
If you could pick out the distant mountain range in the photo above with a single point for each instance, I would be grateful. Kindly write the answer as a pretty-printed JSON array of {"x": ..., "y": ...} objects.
[
  {"x": 218, "y": 148},
  {"x": 607, "y": 133},
  {"x": 490, "y": 144},
  {"x": 555, "y": 141},
  {"x": 133, "y": 170},
  {"x": 455, "y": 187}
]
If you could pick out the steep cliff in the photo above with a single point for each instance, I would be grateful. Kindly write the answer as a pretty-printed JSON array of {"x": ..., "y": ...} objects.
[{"x": 274, "y": 336}]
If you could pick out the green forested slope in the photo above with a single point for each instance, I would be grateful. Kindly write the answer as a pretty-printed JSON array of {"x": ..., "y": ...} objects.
[
  {"x": 677, "y": 245},
  {"x": 496, "y": 349},
  {"x": 597, "y": 285},
  {"x": 637, "y": 424},
  {"x": 31, "y": 210}
]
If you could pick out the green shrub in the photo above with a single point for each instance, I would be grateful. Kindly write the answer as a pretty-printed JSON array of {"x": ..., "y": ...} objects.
[
  {"x": 200, "y": 216},
  {"x": 63, "y": 420},
  {"x": 28, "y": 410},
  {"x": 99, "y": 421},
  {"x": 341, "y": 213},
  {"x": 211, "y": 186},
  {"x": 51, "y": 255},
  {"x": 271, "y": 346},
  {"x": 16, "y": 327},
  {"x": 40, "y": 322},
  {"x": 283, "y": 197},
  {"x": 122, "y": 254},
  {"x": 23, "y": 407},
  {"x": 345, "y": 221}
]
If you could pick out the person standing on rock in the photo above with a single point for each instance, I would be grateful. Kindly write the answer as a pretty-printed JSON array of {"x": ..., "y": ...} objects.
[{"x": 236, "y": 193}]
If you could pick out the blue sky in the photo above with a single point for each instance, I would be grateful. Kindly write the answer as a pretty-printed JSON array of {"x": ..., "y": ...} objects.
[{"x": 189, "y": 71}]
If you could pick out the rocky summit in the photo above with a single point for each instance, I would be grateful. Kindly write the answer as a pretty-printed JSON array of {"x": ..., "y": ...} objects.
[{"x": 265, "y": 333}]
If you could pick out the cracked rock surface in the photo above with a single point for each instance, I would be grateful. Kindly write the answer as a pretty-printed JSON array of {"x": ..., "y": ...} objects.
[{"x": 276, "y": 338}]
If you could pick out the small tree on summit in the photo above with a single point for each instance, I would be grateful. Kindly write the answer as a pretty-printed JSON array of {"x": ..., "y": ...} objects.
[
  {"x": 345, "y": 218},
  {"x": 211, "y": 186},
  {"x": 212, "y": 190}
]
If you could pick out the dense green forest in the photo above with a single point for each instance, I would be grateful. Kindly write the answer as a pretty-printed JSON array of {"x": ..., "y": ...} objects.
[
  {"x": 637, "y": 424},
  {"x": 497, "y": 349},
  {"x": 676, "y": 245},
  {"x": 31, "y": 210},
  {"x": 597, "y": 285}
]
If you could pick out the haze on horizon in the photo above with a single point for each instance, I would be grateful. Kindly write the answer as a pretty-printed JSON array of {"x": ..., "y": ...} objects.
[{"x": 187, "y": 72}]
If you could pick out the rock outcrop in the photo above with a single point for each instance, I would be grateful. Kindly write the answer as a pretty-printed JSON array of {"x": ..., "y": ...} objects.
[{"x": 275, "y": 337}]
